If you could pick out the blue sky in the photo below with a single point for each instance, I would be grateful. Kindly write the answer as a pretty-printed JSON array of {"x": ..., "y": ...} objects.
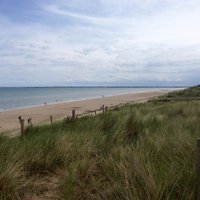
[{"x": 99, "y": 42}]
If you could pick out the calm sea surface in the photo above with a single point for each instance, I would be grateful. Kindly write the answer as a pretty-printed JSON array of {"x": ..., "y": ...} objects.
[{"x": 12, "y": 98}]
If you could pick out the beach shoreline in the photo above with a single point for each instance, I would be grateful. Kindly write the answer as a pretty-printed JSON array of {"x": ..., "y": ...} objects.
[
  {"x": 9, "y": 122},
  {"x": 58, "y": 101}
]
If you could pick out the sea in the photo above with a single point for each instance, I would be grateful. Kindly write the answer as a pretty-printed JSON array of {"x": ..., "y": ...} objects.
[{"x": 21, "y": 97}]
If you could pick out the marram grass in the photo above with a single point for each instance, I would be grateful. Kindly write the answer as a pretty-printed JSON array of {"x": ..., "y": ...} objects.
[{"x": 144, "y": 151}]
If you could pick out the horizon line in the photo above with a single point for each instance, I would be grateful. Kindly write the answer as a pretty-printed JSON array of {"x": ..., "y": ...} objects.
[{"x": 96, "y": 86}]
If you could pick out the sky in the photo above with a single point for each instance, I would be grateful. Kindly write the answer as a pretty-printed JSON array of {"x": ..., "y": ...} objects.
[{"x": 99, "y": 42}]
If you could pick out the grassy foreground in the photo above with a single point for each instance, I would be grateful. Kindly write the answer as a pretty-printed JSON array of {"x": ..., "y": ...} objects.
[{"x": 139, "y": 152}]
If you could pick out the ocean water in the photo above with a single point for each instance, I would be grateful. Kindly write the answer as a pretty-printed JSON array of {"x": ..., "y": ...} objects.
[{"x": 12, "y": 98}]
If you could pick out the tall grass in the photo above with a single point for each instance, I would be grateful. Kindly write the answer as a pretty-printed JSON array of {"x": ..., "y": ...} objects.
[
  {"x": 153, "y": 157},
  {"x": 144, "y": 151}
]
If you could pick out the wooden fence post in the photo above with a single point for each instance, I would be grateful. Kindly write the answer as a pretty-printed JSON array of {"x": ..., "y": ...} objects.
[
  {"x": 30, "y": 122},
  {"x": 22, "y": 128},
  {"x": 51, "y": 119},
  {"x": 103, "y": 108},
  {"x": 73, "y": 114},
  {"x": 106, "y": 108},
  {"x": 198, "y": 170}
]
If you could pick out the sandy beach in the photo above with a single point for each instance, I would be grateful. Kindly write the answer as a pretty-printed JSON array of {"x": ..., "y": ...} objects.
[{"x": 9, "y": 123}]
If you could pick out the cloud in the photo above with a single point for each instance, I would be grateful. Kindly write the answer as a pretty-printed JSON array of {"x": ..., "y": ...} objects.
[
  {"x": 96, "y": 20},
  {"x": 102, "y": 41}
]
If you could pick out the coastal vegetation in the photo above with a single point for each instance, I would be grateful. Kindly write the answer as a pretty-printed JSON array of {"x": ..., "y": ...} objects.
[{"x": 139, "y": 151}]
